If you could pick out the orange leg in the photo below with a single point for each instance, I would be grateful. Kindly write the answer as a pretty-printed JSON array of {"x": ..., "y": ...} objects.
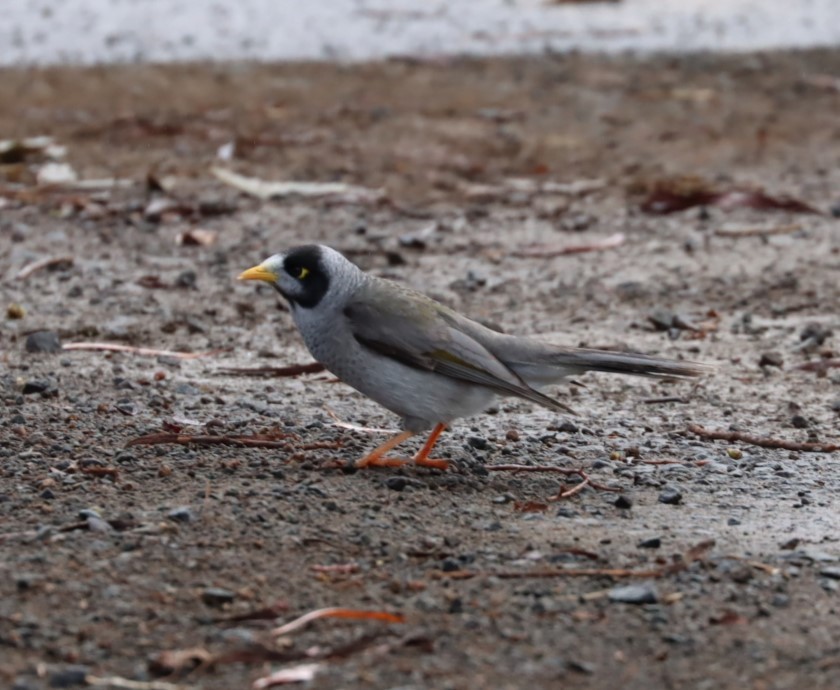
[
  {"x": 422, "y": 458},
  {"x": 375, "y": 459}
]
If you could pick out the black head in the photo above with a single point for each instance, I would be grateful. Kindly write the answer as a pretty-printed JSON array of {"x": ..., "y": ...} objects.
[{"x": 303, "y": 278}]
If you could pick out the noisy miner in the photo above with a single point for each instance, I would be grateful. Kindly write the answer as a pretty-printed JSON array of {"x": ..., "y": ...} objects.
[{"x": 418, "y": 358}]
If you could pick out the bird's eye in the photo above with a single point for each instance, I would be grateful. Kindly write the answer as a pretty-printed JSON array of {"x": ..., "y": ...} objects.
[{"x": 301, "y": 272}]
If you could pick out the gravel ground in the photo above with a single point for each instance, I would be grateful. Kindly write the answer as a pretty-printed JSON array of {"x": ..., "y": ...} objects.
[{"x": 113, "y": 555}]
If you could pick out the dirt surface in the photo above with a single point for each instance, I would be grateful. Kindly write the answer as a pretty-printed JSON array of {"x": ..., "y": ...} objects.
[{"x": 112, "y": 555}]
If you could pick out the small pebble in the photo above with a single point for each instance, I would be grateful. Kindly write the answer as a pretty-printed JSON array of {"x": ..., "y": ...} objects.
[
  {"x": 652, "y": 543},
  {"x": 831, "y": 572},
  {"x": 450, "y": 565},
  {"x": 634, "y": 594},
  {"x": 622, "y": 502},
  {"x": 69, "y": 677},
  {"x": 216, "y": 596},
  {"x": 671, "y": 497},
  {"x": 734, "y": 453},
  {"x": 181, "y": 514},
  {"x": 396, "y": 483},
  {"x": 43, "y": 341},
  {"x": 771, "y": 359},
  {"x": 477, "y": 442}
]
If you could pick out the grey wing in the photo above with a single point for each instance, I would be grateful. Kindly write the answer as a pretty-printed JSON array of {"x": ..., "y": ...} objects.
[{"x": 419, "y": 332}]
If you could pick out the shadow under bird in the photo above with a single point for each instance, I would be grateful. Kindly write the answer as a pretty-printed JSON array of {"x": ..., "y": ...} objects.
[{"x": 418, "y": 358}]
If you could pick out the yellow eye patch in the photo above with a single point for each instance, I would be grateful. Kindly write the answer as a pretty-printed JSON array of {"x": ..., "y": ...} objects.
[{"x": 302, "y": 273}]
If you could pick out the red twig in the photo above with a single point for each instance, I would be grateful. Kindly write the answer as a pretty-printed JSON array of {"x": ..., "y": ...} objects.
[
  {"x": 763, "y": 442},
  {"x": 354, "y": 614},
  {"x": 544, "y": 252}
]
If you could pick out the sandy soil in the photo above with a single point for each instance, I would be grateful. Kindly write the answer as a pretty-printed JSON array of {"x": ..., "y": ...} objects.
[{"x": 112, "y": 555}]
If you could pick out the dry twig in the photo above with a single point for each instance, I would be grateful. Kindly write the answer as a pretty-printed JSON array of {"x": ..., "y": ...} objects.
[
  {"x": 353, "y": 614},
  {"x": 29, "y": 269},
  {"x": 144, "y": 351},
  {"x": 289, "y": 371},
  {"x": 586, "y": 480},
  {"x": 820, "y": 366},
  {"x": 736, "y": 233},
  {"x": 285, "y": 676},
  {"x": 545, "y": 252},
  {"x": 256, "y": 441},
  {"x": 763, "y": 442},
  {"x": 128, "y": 684}
]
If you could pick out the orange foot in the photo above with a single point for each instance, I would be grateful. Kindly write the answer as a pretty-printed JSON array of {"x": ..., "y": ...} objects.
[{"x": 376, "y": 458}]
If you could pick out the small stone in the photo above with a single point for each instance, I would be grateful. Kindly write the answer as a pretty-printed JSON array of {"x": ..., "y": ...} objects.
[
  {"x": 181, "y": 514},
  {"x": 831, "y": 572},
  {"x": 217, "y": 597},
  {"x": 651, "y": 543},
  {"x": 396, "y": 483},
  {"x": 622, "y": 502},
  {"x": 661, "y": 319},
  {"x": 568, "y": 427},
  {"x": 69, "y": 677},
  {"x": 35, "y": 386},
  {"x": 835, "y": 210},
  {"x": 634, "y": 594},
  {"x": 43, "y": 341},
  {"x": 126, "y": 407},
  {"x": 771, "y": 359},
  {"x": 25, "y": 581},
  {"x": 583, "y": 667},
  {"x": 450, "y": 565},
  {"x": 97, "y": 524},
  {"x": 477, "y": 442},
  {"x": 671, "y": 497},
  {"x": 47, "y": 495},
  {"x": 186, "y": 279},
  {"x": 185, "y": 388},
  {"x": 799, "y": 422},
  {"x": 513, "y": 434},
  {"x": 829, "y": 585},
  {"x": 780, "y": 601},
  {"x": 733, "y": 522},
  {"x": 734, "y": 453}
]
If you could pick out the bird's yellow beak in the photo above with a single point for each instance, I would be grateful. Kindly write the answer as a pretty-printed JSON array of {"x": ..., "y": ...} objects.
[{"x": 259, "y": 273}]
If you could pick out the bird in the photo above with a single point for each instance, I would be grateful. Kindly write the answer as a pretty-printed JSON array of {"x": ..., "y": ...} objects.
[{"x": 420, "y": 359}]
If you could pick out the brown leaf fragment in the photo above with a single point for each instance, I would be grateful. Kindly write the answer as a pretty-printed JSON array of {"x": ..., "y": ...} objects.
[
  {"x": 197, "y": 237},
  {"x": 727, "y": 617},
  {"x": 269, "y": 612},
  {"x": 683, "y": 192},
  {"x": 179, "y": 661}
]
